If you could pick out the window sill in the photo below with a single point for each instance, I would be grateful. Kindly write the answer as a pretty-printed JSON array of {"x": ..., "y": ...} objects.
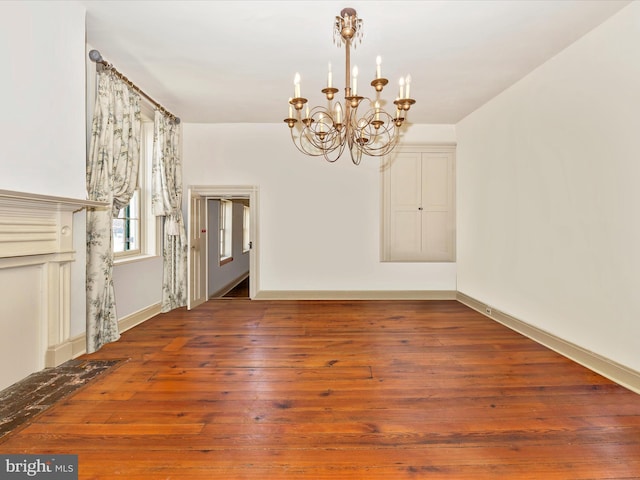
[{"x": 125, "y": 259}]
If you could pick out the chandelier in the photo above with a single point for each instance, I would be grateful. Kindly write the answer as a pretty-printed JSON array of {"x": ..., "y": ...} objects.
[{"x": 361, "y": 124}]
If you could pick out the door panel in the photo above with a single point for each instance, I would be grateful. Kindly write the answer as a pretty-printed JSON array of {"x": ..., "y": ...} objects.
[
  {"x": 197, "y": 268},
  {"x": 405, "y": 192}
]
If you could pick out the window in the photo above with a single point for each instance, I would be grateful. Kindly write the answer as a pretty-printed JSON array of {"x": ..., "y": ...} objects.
[
  {"x": 126, "y": 228},
  {"x": 246, "y": 221},
  {"x": 135, "y": 228},
  {"x": 225, "y": 226},
  {"x": 136, "y": 232}
]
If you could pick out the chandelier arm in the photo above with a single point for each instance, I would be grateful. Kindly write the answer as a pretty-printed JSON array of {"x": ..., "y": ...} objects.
[
  {"x": 321, "y": 130},
  {"x": 382, "y": 139},
  {"x": 376, "y": 132},
  {"x": 309, "y": 143},
  {"x": 357, "y": 158},
  {"x": 300, "y": 146},
  {"x": 332, "y": 159}
]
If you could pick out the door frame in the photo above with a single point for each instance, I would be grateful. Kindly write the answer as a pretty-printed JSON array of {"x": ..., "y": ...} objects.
[{"x": 238, "y": 192}]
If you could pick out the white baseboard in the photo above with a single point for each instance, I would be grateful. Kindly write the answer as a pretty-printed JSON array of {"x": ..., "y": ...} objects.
[
  {"x": 79, "y": 343},
  {"x": 620, "y": 374},
  {"x": 59, "y": 354},
  {"x": 136, "y": 318},
  {"x": 355, "y": 295}
]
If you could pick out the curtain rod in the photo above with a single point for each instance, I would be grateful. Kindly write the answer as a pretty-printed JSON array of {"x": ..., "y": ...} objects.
[{"x": 95, "y": 56}]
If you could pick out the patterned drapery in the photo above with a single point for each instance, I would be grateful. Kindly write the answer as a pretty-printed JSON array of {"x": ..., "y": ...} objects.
[
  {"x": 166, "y": 194},
  {"x": 112, "y": 177}
]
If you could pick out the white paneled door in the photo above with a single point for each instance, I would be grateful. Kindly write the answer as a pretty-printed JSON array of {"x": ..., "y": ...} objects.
[
  {"x": 197, "y": 267},
  {"x": 418, "y": 205}
]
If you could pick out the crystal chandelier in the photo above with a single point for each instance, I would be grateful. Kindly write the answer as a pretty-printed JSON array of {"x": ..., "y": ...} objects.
[{"x": 326, "y": 130}]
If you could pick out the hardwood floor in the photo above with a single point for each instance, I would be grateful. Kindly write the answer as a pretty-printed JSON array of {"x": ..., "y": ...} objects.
[
  {"x": 239, "y": 291},
  {"x": 241, "y": 389}
]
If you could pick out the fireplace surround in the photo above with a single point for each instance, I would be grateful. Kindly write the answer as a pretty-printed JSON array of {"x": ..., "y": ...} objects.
[{"x": 36, "y": 253}]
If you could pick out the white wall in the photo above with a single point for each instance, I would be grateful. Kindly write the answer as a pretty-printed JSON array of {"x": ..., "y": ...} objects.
[
  {"x": 42, "y": 126},
  {"x": 319, "y": 223},
  {"x": 137, "y": 285},
  {"x": 548, "y": 196},
  {"x": 41, "y": 93}
]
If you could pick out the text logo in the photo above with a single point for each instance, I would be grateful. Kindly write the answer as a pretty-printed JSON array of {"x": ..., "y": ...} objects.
[{"x": 50, "y": 467}]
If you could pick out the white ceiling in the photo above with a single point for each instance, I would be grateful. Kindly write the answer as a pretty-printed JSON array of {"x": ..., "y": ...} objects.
[{"x": 234, "y": 61}]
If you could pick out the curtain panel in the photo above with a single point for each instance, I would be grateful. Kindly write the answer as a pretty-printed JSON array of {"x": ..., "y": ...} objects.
[
  {"x": 112, "y": 177},
  {"x": 166, "y": 195}
]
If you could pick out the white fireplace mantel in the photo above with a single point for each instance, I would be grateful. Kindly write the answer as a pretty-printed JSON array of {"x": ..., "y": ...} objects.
[{"x": 36, "y": 251}]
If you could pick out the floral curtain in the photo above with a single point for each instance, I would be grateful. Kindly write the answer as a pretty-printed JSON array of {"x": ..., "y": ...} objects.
[
  {"x": 166, "y": 194},
  {"x": 112, "y": 177}
]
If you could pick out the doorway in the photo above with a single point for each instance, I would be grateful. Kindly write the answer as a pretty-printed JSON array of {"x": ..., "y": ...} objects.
[
  {"x": 228, "y": 245},
  {"x": 198, "y": 232}
]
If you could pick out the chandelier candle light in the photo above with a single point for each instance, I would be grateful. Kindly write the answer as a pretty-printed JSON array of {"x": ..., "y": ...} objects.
[{"x": 325, "y": 131}]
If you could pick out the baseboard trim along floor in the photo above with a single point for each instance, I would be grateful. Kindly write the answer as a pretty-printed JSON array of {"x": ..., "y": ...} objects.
[
  {"x": 355, "y": 295},
  {"x": 620, "y": 374}
]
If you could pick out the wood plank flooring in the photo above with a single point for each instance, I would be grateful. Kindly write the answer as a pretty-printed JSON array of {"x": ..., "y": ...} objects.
[
  {"x": 240, "y": 290},
  {"x": 241, "y": 389}
]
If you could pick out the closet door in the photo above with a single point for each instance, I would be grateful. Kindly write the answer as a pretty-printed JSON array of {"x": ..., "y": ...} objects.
[
  {"x": 418, "y": 205},
  {"x": 405, "y": 202},
  {"x": 437, "y": 207}
]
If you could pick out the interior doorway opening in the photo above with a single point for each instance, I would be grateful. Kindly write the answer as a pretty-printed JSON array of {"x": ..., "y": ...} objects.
[
  {"x": 205, "y": 237},
  {"x": 228, "y": 246}
]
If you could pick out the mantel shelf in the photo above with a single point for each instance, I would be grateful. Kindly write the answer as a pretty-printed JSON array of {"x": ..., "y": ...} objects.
[{"x": 8, "y": 197}]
